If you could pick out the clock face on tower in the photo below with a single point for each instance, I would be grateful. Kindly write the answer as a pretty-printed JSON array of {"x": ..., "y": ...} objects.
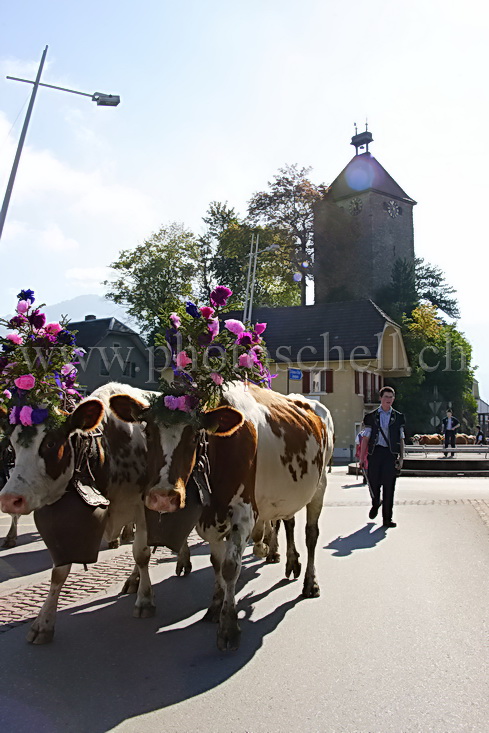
[
  {"x": 392, "y": 208},
  {"x": 355, "y": 206}
]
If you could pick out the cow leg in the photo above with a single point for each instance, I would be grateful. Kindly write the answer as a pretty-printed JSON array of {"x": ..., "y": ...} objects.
[
  {"x": 218, "y": 551},
  {"x": 292, "y": 564},
  {"x": 260, "y": 547},
  {"x": 11, "y": 538},
  {"x": 42, "y": 630},
  {"x": 242, "y": 521},
  {"x": 132, "y": 583},
  {"x": 271, "y": 538},
  {"x": 311, "y": 586},
  {"x": 144, "y": 606},
  {"x": 183, "y": 560}
]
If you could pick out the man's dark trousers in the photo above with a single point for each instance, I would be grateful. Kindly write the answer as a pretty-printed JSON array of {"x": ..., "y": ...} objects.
[
  {"x": 449, "y": 440},
  {"x": 382, "y": 473}
]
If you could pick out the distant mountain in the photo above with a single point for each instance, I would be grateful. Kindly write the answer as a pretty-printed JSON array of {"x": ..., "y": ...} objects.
[{"x": 85, "y": 305}]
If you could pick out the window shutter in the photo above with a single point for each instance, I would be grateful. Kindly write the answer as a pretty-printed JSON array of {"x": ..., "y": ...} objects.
[
  {"x": 329, "y": 381},
  {"x": 357, "y": 382},
  {"x": 306, "y": 382}
]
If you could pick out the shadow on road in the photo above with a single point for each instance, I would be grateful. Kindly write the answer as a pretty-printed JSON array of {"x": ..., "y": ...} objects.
[
  {"x": 105, "y": 667},
  {"x": 362, "y": 539}
]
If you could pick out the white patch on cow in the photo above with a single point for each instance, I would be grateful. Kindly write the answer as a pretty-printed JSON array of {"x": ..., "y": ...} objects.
[
  {"x": 169, "y": 439},
  {"x": 277, "y": 495}
]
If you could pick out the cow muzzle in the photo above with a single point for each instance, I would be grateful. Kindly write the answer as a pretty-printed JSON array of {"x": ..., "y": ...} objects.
[
  {"x": 14, "y": 504},
  {"x": 166, "y": 500}
]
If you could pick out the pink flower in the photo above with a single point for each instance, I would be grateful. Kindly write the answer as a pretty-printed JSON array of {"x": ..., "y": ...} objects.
[
  {"x": 175, "y": 320},
  {"x": 67, "y": 369},
  {"x": 25, "y": 415},
  {"x": 220, "y": 295},
  {"x": 216, "y": 378},
  {"x": 26, "y": 381},
  {"x": 182, "y": 360},
  {"x": 213, "y": 324},
  {"x": 245, "y": 360},
  {"x": 259, "y": 328},
  {"x": 7, "y": 393},
  {"x": 23, "y": 306},
  {"x": 15, "y": 338},
  {"x": 53, "y": 328},
  {"x": 235, "y": 327},
  {"x": 207, "y": 311}
]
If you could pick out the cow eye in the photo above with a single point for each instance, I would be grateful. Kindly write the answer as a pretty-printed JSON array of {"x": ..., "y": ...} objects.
[{"x": 50, "y": 444}]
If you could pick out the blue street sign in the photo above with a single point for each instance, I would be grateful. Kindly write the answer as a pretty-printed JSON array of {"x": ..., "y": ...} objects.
[{"x": 295, "y": 374}]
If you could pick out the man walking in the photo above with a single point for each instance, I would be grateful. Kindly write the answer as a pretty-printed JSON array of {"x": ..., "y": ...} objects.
[
  {"x": 449, "y": 427},
  {"x": 383, "y": 440}
]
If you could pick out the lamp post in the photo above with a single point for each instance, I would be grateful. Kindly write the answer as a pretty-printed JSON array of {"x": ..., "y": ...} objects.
[
  {"x": 250, "y": 281},
  {"x": 102, "y": 100}
]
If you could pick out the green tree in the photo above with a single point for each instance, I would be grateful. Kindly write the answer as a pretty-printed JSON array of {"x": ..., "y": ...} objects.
[
  {"x": 287, "y": 206},
  {"x": 162, "y": 270},
  {"x": 440, "y": 359}
]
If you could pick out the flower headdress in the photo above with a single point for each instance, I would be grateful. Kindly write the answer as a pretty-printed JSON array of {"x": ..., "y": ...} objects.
[
  {"x": 37, "y": 367},
  {"x": 208, "y": 353}
]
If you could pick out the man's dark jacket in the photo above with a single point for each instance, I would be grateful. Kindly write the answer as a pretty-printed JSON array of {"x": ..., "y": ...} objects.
[
  {"x": 455, "y": 424},
  {"x": 397, "y": 421}
]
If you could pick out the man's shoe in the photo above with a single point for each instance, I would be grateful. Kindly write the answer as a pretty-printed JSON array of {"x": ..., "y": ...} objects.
[
  {"x": 374, "y": 511},
  {"x": 387, "y": 525}
]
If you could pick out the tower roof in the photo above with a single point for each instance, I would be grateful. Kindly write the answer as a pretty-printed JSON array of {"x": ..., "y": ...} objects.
[{"x": 364, "y": 173}]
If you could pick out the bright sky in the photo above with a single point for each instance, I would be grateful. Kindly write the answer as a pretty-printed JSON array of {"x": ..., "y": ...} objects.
[{"x": 216, "y": 96}]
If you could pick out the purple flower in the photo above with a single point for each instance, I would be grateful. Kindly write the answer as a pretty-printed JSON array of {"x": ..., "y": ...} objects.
[
  {"x": 192, "y": 309},
  {"x": 66, "y": 337},
  {"x": 220, "y": 295},
  {"x": 260, "y": 327},
  {"x": 26, "y": 295},
  {"x": 245, "y": 339},
  {"x": 17, "y": 321},
  {"x": 37, "y": 319},
  {"x": 38, "y": 415},
  {"x": 213, "y": 324}
]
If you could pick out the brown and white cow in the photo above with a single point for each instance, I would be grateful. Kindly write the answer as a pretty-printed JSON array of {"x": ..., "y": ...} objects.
[
  {"x": 44, "y": 468},
  {"x": 268, "y": 455}
]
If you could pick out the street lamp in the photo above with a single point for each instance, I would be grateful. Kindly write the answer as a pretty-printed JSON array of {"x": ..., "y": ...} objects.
[
  {"x": 102, "y": 100},
  {"x": 250, "y": 281}
]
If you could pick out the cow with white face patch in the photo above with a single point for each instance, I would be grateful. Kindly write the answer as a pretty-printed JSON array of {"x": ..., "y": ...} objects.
[
  {"x": 268, "y": 455},
  {"x": 44, "y": 468}
]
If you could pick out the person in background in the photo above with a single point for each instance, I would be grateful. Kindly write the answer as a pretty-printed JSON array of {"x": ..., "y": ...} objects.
[
  {"x": 479, "y": 436},
  {"x": 449, "y": 426},
  {"x": 383, "y": 441}
]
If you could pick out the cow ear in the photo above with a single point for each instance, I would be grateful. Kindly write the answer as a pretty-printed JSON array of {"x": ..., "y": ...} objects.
[
  {"x": 87, "y": 416},
  {"x": 127, "y": 408},
  {"x": 223, "y": 421}
]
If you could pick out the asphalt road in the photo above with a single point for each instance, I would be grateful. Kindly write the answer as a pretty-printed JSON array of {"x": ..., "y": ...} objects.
[{"x": 396, "y": 643}]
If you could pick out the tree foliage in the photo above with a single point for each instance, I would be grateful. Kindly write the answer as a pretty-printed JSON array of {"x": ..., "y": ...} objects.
[
  {"x": 287, "y": 206},
  {"x": 228, "y": 258},
  {"x": 160, "y": 271},
  {"x": 442, "y": 376}
]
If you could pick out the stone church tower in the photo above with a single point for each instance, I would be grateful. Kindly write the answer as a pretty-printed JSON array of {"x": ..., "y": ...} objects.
[{"x": 361, "y": 227}]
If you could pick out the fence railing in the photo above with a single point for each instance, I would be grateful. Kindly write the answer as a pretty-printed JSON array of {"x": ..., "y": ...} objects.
[{"x": 463, "y": 449}]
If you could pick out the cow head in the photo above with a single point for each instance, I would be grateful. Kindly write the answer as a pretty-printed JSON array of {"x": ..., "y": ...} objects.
[
  {"x": 44, "y": 465},
  {"x": 172, "y": 448}
]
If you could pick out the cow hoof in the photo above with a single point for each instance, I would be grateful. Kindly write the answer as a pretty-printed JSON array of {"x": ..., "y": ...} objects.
[
  {"x": 114, "y": 544},
  {"x": 293, "y": 567},
  {"x": 228, "y": 640},
  {"x": 273, "y": 557},
  {"x": 146, "y": 611},
  {"x": 130, "y": 586},
  {"x": 311, "y": 590},
  {"x": 184, "y": 568},
  {"x": 36, "y": 636},
  {"x": 7, "y": 544}
]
